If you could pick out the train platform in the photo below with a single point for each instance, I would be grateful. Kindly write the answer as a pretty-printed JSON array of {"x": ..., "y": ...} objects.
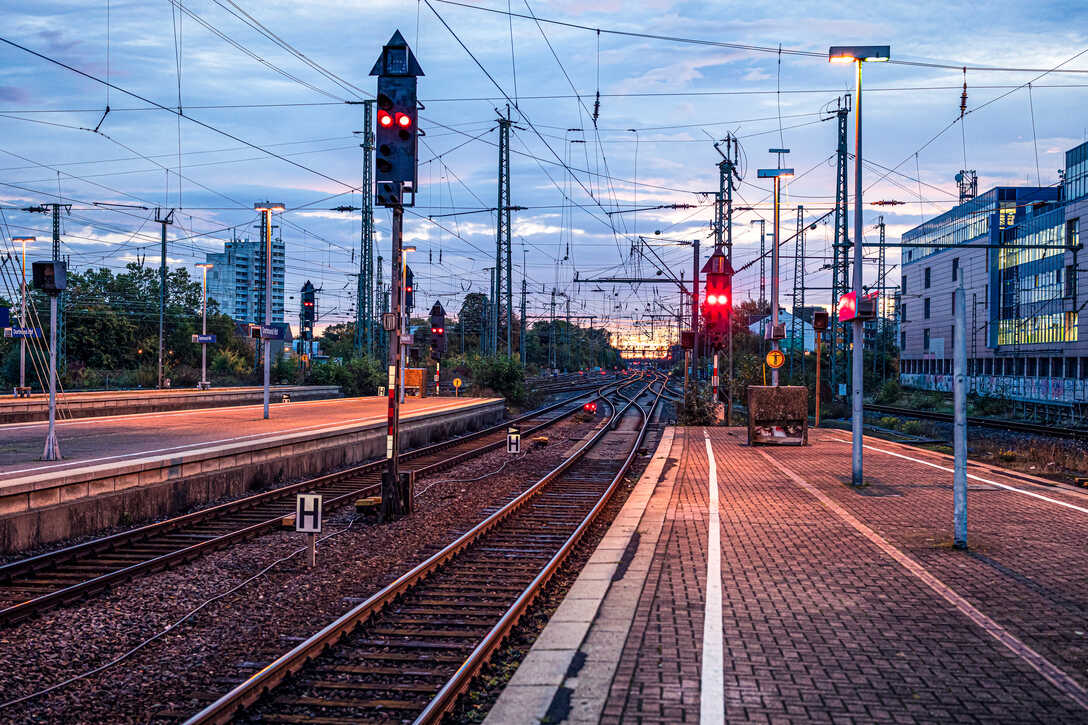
[
  {"x": 743, "y": 584},
  {"x": 124, "y": 402},
  {"x": 131, "y": 468}
]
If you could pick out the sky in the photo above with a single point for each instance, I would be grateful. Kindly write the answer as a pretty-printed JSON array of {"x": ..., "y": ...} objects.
[{"x": 266, "y": 91}]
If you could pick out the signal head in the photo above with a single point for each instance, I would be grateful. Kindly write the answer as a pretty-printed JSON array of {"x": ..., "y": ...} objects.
[{"x": 385, "y": 119}]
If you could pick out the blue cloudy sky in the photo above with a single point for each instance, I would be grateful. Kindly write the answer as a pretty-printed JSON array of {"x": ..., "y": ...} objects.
[{"x": 224, "y": 60}]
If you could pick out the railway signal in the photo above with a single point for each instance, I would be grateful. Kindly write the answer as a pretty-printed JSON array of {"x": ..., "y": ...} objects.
[
  {"x": 409, "y": 288},
  {"x": 717, "y": 304},
  {"x": 396, "y": 139},
  {"x": 438, "y": 331},
  {"x": 395, "y": 167}
]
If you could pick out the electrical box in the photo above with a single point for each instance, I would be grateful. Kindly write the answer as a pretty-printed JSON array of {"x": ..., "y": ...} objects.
[{"x": 820, "y": 320}]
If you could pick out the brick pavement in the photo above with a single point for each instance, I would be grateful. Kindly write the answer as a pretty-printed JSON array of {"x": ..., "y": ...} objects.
[{"x": 821, "y": 624}]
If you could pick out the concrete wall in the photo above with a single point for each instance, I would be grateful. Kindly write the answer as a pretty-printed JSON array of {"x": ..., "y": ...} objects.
[
  {"x": 52, "y": 507},
  {"x": 86, "y": 405}
]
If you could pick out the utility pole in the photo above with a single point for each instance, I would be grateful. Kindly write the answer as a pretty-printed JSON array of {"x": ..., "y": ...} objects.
[
  {"x": 266, "y": 209},
  {"x": 695, "y": 306},
  {"x": 521, "y": 338},
  {"x": 840, "y": 272},
  {"x": 881, "y": 270},
  {"x": 551, "y": 334},
  {"x": 798, "y": 292},
  {"x": 163, "y": 221},
  {"x": 726, "y": 171},
  {"x": 504, "y": 296},
  {"x": 365, "y": 326}
]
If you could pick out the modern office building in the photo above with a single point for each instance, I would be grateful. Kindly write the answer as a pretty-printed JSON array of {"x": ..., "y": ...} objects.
[
  {"x": 1016, "y": 251},
  {"x": 237, "y": 280}
]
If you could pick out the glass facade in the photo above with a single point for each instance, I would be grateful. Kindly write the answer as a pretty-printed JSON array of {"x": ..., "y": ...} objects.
[
  {"x": 1038, "y": 329},
  {"x": 1076, "y": 172}
]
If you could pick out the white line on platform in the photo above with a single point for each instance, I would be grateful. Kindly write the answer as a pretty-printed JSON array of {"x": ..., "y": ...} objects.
[
  {"x": 972, "y": 476},
  {"x": 1053, "y": 674},
  {"x": 318, "y": 428},
  {"x": 712, "y": 688}
]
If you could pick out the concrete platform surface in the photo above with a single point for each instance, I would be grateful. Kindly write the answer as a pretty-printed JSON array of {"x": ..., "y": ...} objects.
[
  {"x": 123, "y": 402},
  {"x": 115, "y": 439},
  {"x": 757, "y": 585},
  {"x": 131, "y": 469}
]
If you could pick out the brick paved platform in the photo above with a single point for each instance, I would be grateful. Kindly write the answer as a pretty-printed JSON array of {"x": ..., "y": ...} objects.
[{"x": 836, "y": 604}]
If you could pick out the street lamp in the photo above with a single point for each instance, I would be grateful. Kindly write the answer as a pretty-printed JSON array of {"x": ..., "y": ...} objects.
[
  {"x": 857, "y": 54},
  {"x": 22, "y": 317},
  {"x": 266, "y": 209},
  {"x": 777, "y": 175},
  {"x": 204, "y": 330}
]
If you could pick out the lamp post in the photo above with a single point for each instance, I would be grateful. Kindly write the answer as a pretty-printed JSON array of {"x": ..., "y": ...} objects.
[
  {"x": 22, "y": 315},
  {"x": 777, "y": 175},
  {"x": 266, "y": 209},
  {"x": 204, "y": 330},
  {"x": 857, "y": 54},
  {"x": 406, "y": 314}
]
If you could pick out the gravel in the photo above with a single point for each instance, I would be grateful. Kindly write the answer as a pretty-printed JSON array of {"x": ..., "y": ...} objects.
[{"x": 231, "y": 638}]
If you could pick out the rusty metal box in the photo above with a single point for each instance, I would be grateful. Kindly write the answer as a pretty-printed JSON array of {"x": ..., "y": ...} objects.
[{"x": 777, "y": 416}]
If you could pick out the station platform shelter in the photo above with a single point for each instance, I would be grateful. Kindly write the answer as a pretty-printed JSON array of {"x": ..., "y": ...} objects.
[{"x": 755, "y": 584}]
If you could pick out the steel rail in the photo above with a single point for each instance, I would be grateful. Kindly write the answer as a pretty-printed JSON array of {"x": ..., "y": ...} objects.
[
  {"x": 980, "y": 422},
  {"x": 43, "y": 563},
  {"x": 447, "y": 697},
  {"x": 251, "y": 690}
]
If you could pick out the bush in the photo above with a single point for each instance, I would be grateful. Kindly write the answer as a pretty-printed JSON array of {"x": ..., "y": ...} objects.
[
  {"x": 890, "y": 392},
  {"x": 358, "y": 376},
  {"x": 698, "y": 407},
  {"x": 226, "y": 362},
  {"x": 500, "y": 375},
  {"x": 912, "y": 427}
]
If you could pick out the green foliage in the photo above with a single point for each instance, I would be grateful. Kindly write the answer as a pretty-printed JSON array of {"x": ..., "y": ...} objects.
[
  {"x": 912, "y": 427},
  {"x": 889, "y": 393},
  {"x": 491, "y": 375},
  {"x": 698, "y": 407},
  {"x": 229, "y": 363},
  {"x": 358, "y": 376}
]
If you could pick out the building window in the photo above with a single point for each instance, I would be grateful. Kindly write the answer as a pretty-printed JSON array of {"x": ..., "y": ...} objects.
[
  {"x": 955, "y": 269},
  {"x": 925, "y": 309},
  {"x": 903, "y": 312},
  {"x": 927, "y": 278},
  {"x": 902, "y": 341},
  {"x": 925, "y": 339},
  {"x": 953, "y": 303},
  {"x": 1072, "y": 233},
  {"x": 1070, "y": 280},
  {"x": 903, "y": 284},
  {"x": 1032, "y": 367}
]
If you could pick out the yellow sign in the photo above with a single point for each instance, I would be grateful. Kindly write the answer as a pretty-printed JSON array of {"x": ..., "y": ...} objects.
[
  {"x": 457, "y": 382},
  {"x": 775, "y": 358}
]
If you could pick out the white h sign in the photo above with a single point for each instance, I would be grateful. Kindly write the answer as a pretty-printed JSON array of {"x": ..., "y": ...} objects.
[
  {"x": 513, "y": 440},
  {"x": 308, "y": 513}
]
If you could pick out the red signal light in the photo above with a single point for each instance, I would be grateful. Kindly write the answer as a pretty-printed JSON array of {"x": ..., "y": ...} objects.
[
  {"x": 384, "y": 119},
  {"x": 404, "y": 120},
  {"x": 590, "y": 407}
]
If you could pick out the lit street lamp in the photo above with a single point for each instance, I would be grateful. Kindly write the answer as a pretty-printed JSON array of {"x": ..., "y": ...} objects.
[
  {"x": 22, "y": 316},
  {"x": 857, "y": 54},
  {"x": 204, "y": 385},
  {"x": 266, "y": 210},
  {"x": 777, "y": 175}
]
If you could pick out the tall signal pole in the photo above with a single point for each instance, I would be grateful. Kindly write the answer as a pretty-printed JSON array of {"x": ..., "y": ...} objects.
[
  {"x": 504, "y": 296},
  {"x": 396, "y": 167},
  {"x": 727, "y": 169},
  {"x": 840, "y": 274},
  {"x": 163, "y": 221},
  {"x": 364, "y": 309}
]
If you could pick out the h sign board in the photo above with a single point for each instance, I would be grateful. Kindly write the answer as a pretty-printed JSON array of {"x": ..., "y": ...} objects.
[
  {"x": 513, "y": 440},
  {"x": 308, "y": 513}
]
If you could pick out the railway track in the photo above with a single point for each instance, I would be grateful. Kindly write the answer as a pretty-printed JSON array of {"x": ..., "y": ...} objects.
[
  {"x": 31, "y": 585},
  {"x": 994, "y": 423},
  {"x": 409, "y": 651}
]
